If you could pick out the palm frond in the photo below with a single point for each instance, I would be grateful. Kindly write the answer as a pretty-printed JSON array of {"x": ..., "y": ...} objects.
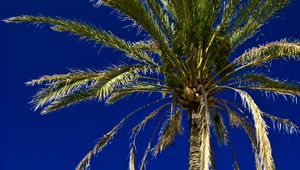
[
  {"x": 102, "y": 142},
  {"x": 219, "y": 128},
  {"x": 249, "y": 17},
  {"x": 136, "y": 88},
  {"x": 90, "y": 32},
  {"x": 132, "y": 154},
  {"x": 64, "y": 90},
  {"x": 282, "y": 123},
  {"x": 144, "y": 158},
  {"x": 71, "y": 99},
  {"x": 264, "y": 146},
  {"x": 267, "y": 84},
  {"x": 139, "y": 126},
  {"x": 170, "y": 129},
  {"x": 275, "y": 50},
  {"x": 136, "y": 10},
  {"x": 161, "y": 17},
  {"x": 237, "y": 121}
]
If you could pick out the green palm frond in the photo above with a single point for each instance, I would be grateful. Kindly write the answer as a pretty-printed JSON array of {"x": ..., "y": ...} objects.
[
  {"x": 120, "y": 93},
  {"x": 170, "y": 129},
  {"x": 267, "y": 84},
  {"x": 219, "y": 128},
  {"x": 250, "y": 17},
  {"x": 161, "y": 17},
  {"x": 70, "y": 99},
  {"x": 64, "y": 90},
  {"x": 258, "y": 56},
  {"x": 144, "y": 18},
  {"x": 90, "y": 32},
  {"x": 275, "y": 50}
]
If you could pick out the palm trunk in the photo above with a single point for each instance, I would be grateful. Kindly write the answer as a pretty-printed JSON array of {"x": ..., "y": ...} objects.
[{"x": 199, "y": 144}]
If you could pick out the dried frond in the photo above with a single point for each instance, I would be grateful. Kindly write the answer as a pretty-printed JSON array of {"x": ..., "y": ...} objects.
[
  {"x": 281, "y": 123},
  {"x": 102, "y": 142},
  {"x": 138, "y": 127},
  {"x": 264, "y": 146},
  {"x": 144, "y": 159},
  {"x": 170, "y": 129},
  {"x": 85, "y": 162},
  {"x": 132, "y": 155},
  {"x": 237, "y": 121}
]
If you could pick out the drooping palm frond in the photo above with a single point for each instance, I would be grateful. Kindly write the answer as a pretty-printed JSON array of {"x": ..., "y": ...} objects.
[
  {"x": 132, "y": 154},
  {"x": 219, "y": 128},
  {"x": 170, "y": 129},
  {"x": 204, "y": 136},
  {"x": 102, "y": 142},
  {"x": 139, "y": 126},
  {"x": 90, "y": 32},
  {"x": 238, "y": 121},
  {"x": 264, "y": 146}
]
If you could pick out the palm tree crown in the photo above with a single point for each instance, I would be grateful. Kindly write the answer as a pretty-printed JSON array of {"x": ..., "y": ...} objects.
[{"x": 186, "y": 59}]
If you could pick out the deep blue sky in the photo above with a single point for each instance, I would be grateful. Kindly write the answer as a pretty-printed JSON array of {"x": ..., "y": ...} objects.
[{"x": 59, "y": 140}]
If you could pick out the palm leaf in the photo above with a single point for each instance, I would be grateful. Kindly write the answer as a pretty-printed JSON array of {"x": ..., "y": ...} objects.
[
  {"x": 264, "y": 83},
  {"x": 268, "y": 52},
  {"x": 102, "y": 142},
  {"x": 136, "y": 10},
  {"x": 79, "y": 86},
  {"x": 219, "y": 128},
  {"x": 90, "y": 32},
  {"x": 264, "y": 146},
  {"x": 251, "y": 16},
  {"x": 136, "y": 88},
  {"x": 170, "y": 129},
  {"x": 282, "y": 123},
  {"x": 237, "y": 121}
]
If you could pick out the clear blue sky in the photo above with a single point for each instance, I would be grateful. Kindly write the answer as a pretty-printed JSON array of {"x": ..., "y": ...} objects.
[{"x": 29, "y": 141}]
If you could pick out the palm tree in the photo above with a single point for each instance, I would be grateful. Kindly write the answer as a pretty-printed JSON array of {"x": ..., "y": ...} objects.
[{"x": 186, "y": 59}]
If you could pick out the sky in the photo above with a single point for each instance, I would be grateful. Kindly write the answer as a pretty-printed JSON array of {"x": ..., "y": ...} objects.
[{"x": 30, "y": 141}]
